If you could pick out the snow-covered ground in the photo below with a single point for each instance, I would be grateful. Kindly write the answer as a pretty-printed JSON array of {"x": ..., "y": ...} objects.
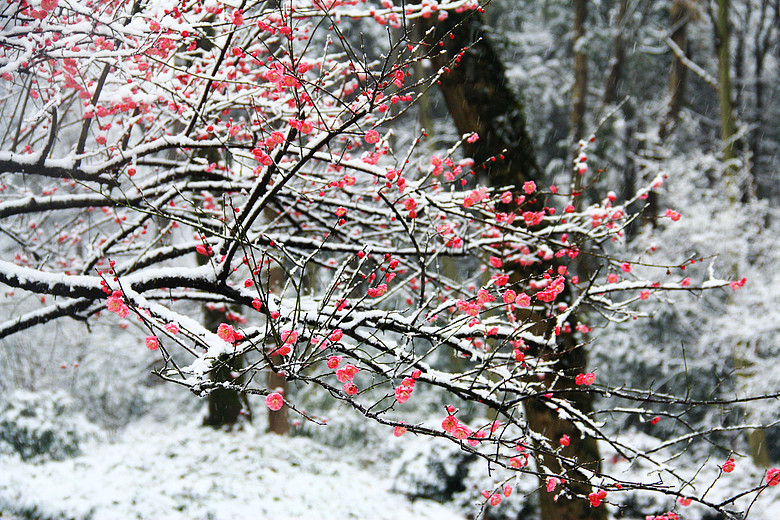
[
  {"x": 156, "y": 471},
  {"x": 179, "y": 470}
]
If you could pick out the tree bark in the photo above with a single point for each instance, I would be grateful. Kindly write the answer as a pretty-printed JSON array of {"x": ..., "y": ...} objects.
[
  {"x": 479, "y": 99},
  {"x": 224, "y": 405},
  {"x": 618, "y": 60},
  {"x": 580, "y": 87},
  {"x": 728, "y": 127},
  {"x": 678, "y": 72}
]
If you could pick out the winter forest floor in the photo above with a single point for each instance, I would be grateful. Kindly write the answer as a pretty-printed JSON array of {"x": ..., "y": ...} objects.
[
  {"x": 173, "y": 468},
  {"x": 189, "y": 472}
]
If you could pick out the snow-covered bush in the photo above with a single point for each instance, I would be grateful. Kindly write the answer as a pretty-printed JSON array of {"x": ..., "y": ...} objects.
[
  {"x": 42, "y": 425},
  {"x": 342, "y": 428},
  {"x": 432, "y": 469}
]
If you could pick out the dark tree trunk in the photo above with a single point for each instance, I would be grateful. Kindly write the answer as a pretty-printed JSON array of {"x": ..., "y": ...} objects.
[
  {"x": 225, "y": 406},
  {"x": 580, "y": 87},
  {"x": 480, "y": 100},
  {"x": 678, "y": 17},
  {"x": 618, "y": 58}
]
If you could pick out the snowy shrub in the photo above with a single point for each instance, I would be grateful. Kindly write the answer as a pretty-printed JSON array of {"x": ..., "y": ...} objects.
[
  {"x": 343, "y": 428},
  {"x": 433, "y": 472},
  {"x": 38, "y": 425},
  {"x": 112, "y": 402},
  {"x": 523, "y": 502}
]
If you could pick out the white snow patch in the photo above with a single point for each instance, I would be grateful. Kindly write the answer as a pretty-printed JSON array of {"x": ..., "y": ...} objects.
[{"x": 184, "y": 472}]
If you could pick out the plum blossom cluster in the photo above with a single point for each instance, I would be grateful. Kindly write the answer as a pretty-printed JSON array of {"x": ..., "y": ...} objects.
[
  {"x": 226, "y": 333},
  {"x": 117, "y": 305},
  {"x": 404, "y": 391},
  {"x": 345, "y": 375},
  {"x": 495, "y": 499},
  {"x": 585, "y": 379},
  {"x": 460, "y": 431}
]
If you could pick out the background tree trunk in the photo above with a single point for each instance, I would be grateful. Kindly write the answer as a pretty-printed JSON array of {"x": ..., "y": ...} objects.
[
  {"x": 680, "y": 14},
  {"x": 278, "y": 420},
  {"x": 617, "y": 62},
  {"x": 678, "y": 72},
  {"x": 580, "y": 87},
  {"x": 728, "y": 126},
  {"x": 763, "y": 38},
  {"x": 479, "y": 99}
]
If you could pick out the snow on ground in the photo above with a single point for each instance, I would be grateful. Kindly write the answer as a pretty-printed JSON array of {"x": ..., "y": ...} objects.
[{"x": 187, "y": 472}]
